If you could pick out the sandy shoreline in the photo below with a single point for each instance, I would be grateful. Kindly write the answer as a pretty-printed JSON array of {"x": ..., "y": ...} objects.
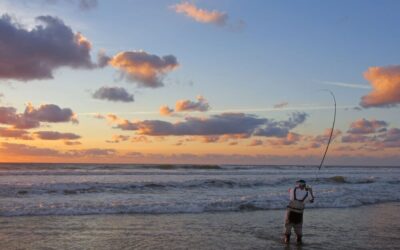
[{"x": 366, "y": 227}]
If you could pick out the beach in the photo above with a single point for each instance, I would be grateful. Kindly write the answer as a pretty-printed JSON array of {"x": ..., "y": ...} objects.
[{"x": 365, "y": 227}]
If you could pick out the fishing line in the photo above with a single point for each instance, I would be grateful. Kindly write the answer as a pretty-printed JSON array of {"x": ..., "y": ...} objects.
[{"x": 331, "y": 133}]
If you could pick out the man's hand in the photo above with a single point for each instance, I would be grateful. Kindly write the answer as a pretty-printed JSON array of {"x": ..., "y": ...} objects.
[{"x": 312, "y": 200}]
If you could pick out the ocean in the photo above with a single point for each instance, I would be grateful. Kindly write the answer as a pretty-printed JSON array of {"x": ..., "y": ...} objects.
[
  {"x": 87, "y": 189},
  {"x": 101, "y": 206}
]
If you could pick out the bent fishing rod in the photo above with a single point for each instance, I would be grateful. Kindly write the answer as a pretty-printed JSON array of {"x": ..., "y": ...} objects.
[{"x": 331, "y": 133}]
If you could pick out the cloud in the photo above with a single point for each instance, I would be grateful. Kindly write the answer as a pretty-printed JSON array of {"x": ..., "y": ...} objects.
[
  {"x": 32, "y": 117},
  {"x": 92, "y": 152},
  {"x": 391, "y": 138},
  {"x": 15, "y": 133},
  {"x": 225, "y": 124},
  {"x": 281, "y": 105},
  {"x": 319, "y": 140},
  {"x": 200, "y": 105},
  {"x": 256, "y": 142},
  {"x": 141, "y": 138},
  {"x": 54, "y": 135},
  {"x": 118, "y": 138},
  {"x": 144, "y": 69},
  {"x": 364, "y": 126},
  {"x": 347, "y": 85},
  {"x": 282, "y": 128},
  {"x": 374, "y": 134},
  {"x": 15, "y": 149},
  {"x": 166, "y": 111},
  {"x": 72, "y": 143},
  {"x": 201, "y": 15},
  {"x": 357, "y": 138},
  {"x": 34, "y": 54},
  {"x": 385, "y": 82},
  {"x": 26, "y": 150},
  {"x": 114, "y": 94},
  {"x": 344, "y": 148},
  {"x": 50, "y": 113},
  {"x": 290, "y": 139}
]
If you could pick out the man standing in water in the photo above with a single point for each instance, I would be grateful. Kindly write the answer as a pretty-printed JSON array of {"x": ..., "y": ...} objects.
[{"x": 294, "y": 212}]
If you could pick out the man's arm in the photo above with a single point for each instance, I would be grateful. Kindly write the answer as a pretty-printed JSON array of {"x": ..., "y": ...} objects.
[{"x": 309, "y": 189}]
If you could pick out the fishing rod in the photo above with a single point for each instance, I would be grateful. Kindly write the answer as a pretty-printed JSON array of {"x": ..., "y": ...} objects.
[{"x": 331, "y": 133}]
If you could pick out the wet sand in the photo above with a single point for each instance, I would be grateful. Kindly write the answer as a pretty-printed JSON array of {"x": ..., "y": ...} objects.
[{"x": 366, "y": 227}]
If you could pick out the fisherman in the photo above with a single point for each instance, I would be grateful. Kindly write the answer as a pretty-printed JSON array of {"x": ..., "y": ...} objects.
[{"x": 294, "y": 212}]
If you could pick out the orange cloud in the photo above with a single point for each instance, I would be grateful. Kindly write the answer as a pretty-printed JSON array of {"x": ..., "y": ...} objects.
[
  {"x": 200, "y": 105},
  {"x": 385, "y": 82},
  {"x": 142, "y": 68},
  {"x": 201, "y": 15},
  {"x": 166, "y": 111}
]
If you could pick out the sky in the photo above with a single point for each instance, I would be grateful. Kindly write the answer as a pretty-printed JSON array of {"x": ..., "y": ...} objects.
[{"x": 199, "y": 82}]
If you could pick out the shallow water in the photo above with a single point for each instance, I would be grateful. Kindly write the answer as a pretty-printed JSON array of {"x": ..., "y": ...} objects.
[{"x": 366, "y": 227}]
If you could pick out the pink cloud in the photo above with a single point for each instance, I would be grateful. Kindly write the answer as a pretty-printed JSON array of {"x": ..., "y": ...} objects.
[
  {"x": 363, "y": 126},
  {"x": 201, "y": 15},
  {"x": 385, "y": 82}
]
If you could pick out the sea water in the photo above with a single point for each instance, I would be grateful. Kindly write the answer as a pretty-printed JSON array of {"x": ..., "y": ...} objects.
[{"x": 90, "y": 189}]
